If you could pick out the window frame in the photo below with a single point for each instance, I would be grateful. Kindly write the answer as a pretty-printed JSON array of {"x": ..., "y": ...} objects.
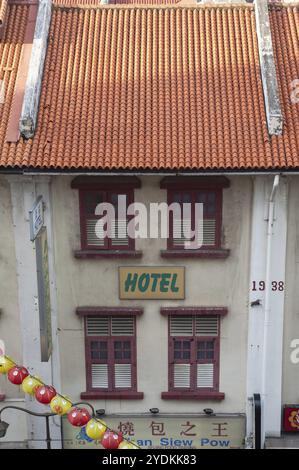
[
  {"x": 193, "y": 360},
  {"x": 110, "y": 339},
  {"x": 198, "y": 393},
  {"x": 129, "y": 192},
  {"x": 119, "y": 393},
  {"x": 121, "y": 184},
  {"x": 218, "y": 216}
]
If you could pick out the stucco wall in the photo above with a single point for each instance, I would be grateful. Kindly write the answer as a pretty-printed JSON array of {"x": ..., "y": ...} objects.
[
  {"x": 291, "y": 318},
  {"x": 10, "y": 331},
  {"x": 208, "y": 283}
]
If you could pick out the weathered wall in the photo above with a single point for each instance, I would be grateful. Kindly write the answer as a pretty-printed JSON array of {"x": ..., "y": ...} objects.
[
  {"x": 208, "y": 283},
  {"x": 10, "y": 331},
  {"x": 291, "y": 319}
]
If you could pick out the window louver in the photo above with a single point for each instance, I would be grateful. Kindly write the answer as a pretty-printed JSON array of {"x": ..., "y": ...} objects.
[
  {"x": 122, "y": 326},
  {"x": 181, "y": 227},
  {"x": 94, "y": 234},
  {"x": 123, "y": 376},
  {"x": 97, "y": 326},
  {"x": 181, "y": 326},
  {"x": 119, "y": 229},
  {"x": 181, "y": 374},
  {"x": 99, "y": 375},
  {"x": 205, "y": 375},
  {"x": 209, "y": 232},
  {"x": 206, "y": 326}
]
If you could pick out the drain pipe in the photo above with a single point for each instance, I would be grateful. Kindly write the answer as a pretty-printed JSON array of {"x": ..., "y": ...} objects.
[{"x": 267, "y": 319}]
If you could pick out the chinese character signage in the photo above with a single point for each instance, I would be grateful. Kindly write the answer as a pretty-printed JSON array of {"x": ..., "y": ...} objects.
[
  {"x": 152, "y": 282},
  {"x": 167, "y": 432},
  {"x": 44, "y": 304},
  {"x": 291, "y": 418},
  {"x": 36, "y": 218}
]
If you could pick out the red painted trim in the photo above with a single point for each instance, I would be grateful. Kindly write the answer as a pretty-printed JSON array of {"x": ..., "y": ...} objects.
[
  {"x": 127, "y": 395},
  {"x": 108, "y": 311},
  {"x": 194, "y": 182},
  {"x": 186, "y": 395},
  {"x": 113, "y": 254},
  {"x": 200, "y": 311},
  {"x": 110, "y": 360},
  {"x": 193, "y": 361},
  {"x": 218, "y": 218},
  {"x": 202, "y": 253},
  {"x": 107, "y": 195},
  {"x": 2, "y": 397},
  {"x": 106, "y": 182}
]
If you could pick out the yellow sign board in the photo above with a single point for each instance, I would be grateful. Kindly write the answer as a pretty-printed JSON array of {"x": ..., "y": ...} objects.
[
  {"x": 166, "y": 432},
  {"x": 143, "y": 282}
]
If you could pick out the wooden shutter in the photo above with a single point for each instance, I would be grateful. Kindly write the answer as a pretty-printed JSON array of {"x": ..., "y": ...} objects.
[
  {"x": 99, "y": 376},
  {"x": 209, "y": 232},
  {"x": 119, "y": 229},
  {"x": 97, "y": 326},
  {"x": 93, "y": 233},
  {"x": 122, "y": 326},
  {"x": 181, "y": 325},
  {"x": 205, "y": 375},
  {"x": 206, "y": 326},
  {"x": 123, "y": 375},
  {"x": 180, "y": 227},
  {"x": 181, "y": 375}
]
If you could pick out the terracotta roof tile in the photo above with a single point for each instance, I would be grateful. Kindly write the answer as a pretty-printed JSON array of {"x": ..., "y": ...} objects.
[
  {"x": 3, "y": 9},
  {"x": 168, "y": 88}
]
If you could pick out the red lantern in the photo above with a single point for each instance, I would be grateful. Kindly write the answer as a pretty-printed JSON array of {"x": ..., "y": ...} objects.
[
  {"x": 78, "y": 416},
  {"x": 111, "y": 440},
  {"x": 45, "y": 393},
  {"x": 17, "y": 374}
]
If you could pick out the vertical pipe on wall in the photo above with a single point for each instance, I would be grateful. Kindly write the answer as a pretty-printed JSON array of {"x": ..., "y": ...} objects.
[{"x": 267, "y": 317}]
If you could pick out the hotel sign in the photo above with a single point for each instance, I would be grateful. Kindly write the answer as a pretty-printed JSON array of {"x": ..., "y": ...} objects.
[
  {"x": 143, "y": 282},
  {"x": 166, "y": 431}
]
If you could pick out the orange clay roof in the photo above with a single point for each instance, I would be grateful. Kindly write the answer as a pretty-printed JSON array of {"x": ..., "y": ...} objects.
[
  {"x": 166, "y": 88},
  {"x": 73, "y": 3}
]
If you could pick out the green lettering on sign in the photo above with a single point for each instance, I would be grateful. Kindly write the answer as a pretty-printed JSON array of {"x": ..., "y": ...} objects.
[{"x": 149, "y": 282}]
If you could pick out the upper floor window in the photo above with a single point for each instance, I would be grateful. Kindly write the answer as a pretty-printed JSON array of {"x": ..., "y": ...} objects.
[
  {"x": 211, "y": 223},
  {"x": 93, "y": 234},
  {"x": 104, "y": 232},
  {"x": 190, "y": 191}
]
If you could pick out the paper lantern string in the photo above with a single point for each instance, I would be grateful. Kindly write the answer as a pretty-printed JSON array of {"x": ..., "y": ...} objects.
[{"x": 74, "y": 404}]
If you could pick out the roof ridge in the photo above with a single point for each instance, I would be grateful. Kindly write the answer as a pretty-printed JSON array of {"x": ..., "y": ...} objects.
[{"x": 177, "y": 6}]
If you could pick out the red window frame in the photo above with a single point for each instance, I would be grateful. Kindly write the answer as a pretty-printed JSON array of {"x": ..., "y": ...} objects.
[
  {"x": 111, "y": 359},
  {"x": 193, "y": 360},
  {"x": 218, "y": 215},
  {"x": 107, "y": 195}
]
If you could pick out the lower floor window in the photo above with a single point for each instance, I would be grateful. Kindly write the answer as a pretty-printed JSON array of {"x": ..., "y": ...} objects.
[
  {"x": 194, "y": 353},
  {"x": 110, "y": 353}
]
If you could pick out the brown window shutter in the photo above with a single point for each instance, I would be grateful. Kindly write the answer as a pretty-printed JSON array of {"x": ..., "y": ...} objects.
[
  {"x": 206, "y": 326},
  {"x": 99, "y": 376},
  {"x": 205, "y": 375}
]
